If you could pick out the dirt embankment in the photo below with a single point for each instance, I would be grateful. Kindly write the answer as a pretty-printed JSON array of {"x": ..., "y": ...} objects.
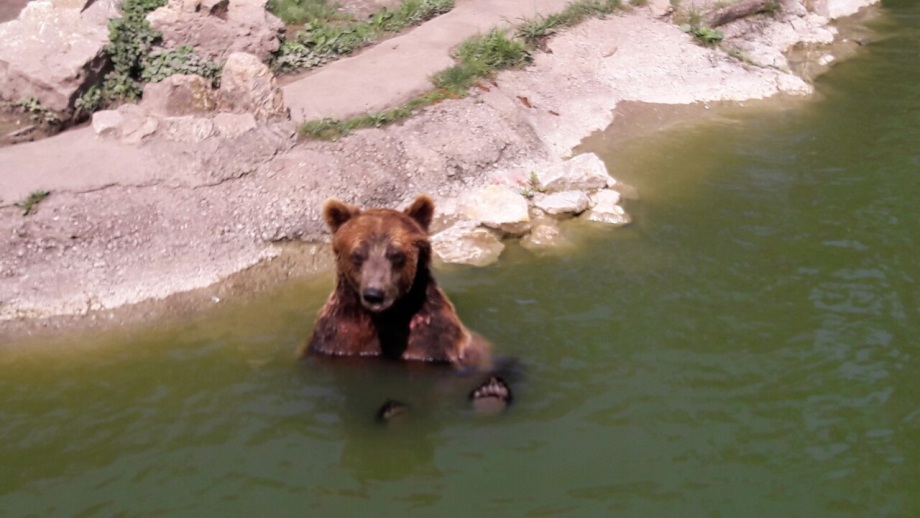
[{"x": 161, "y": 244}]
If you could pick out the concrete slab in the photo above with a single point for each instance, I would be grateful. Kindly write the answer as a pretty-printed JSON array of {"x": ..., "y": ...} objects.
[{"x": 391, "y": 73}]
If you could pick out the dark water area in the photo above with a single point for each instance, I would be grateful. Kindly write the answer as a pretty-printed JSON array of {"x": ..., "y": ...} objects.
[{"x": 750, "y": 346}]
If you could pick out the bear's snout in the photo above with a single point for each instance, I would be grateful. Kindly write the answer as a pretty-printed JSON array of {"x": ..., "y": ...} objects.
[
  {"x": 377, "y": 286},
  {"x": 373, "y": 297}
]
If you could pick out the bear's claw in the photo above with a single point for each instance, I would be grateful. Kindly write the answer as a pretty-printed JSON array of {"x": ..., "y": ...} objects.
[
  {"x": 391, "y": 410},
  {"x": 492, "y": 396}
]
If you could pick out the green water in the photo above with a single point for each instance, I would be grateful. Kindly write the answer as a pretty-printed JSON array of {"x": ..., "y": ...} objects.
[{"x": 749, "y": 347}]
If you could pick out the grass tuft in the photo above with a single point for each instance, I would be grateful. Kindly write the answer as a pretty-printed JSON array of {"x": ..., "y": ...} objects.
[
  {"x": 325, "y": 38},
  {"x": 334, "y": 129},
  {"x": 480, "y": 57},
  {"x": 29, "y": 204},
  {"x": 297, "y": 12}
]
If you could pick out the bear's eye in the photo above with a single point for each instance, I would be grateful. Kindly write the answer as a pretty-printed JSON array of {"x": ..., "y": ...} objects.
[
  {"x": 398, "y": 259},
  {"x": 357, "y": 259}
]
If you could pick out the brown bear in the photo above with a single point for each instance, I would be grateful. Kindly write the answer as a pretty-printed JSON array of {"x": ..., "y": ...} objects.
[{"x": 386, "y": 301}]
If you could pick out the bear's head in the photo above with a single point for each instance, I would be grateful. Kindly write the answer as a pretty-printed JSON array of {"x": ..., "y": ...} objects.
[{"x": 380, "y": 252}]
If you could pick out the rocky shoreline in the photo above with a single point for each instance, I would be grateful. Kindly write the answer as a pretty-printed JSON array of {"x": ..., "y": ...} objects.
[{"x": 160, "y": 222}]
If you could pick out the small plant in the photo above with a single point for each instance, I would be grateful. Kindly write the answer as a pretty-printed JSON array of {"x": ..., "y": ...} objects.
[
  {"x": 480, "y": 57},
  {"x": 334, "y": 129},
  {"x": 322, "y": 129},
  {"x": 28, "y": 205},
  {"x": 533, "y": 186},
  {"x": 131, "y": 39},
  {"x": 705, "y": 35},
  {"x": 91, "y": 101},
  {"x": 410, "y": 12},
  {"x": 161, "y": 64},
  {"x": 581, "y": 10},
  {"x": 38, "y": 113},
  {"x": 324, "y": 39},
  {"x": 477, "y": 58},
  {"x": 132, "y": 49},
  {"x": 456, "y": 79},
  {"x": 296, "y": 12},
  {"x": 535, "y": 30},
  {"x": 771, "y": 8},
  {"x": 493, "y": 51}
]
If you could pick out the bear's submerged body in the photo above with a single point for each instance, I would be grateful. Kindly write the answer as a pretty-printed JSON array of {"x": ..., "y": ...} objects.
[{"x": 421, "y": 326}]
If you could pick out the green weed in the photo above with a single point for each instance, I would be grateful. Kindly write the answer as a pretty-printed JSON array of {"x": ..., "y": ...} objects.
[
  {"x": 28, "y": 205},
  {"x": 334, "y": 129},
  {"x": 493, "y": 51},
  {"x": 478, "y": 58},
  {"x": 533, "y": 186},
  {"x": 91, "y": 101},
  {"x": 325, "y": 39},
  {"x": 136, "y": 60},
  {"x": 706, "y": 35},
  {"x": 38, "y": 114},
  {"x": 771, "y": 8},
  {"x": 131, "y": 38},
  {"x": 457, "y": 79},
  {"x": 161, "y": 64},
  {"x": 535, "y": 30},
  {"x": 296, "y": 12}
]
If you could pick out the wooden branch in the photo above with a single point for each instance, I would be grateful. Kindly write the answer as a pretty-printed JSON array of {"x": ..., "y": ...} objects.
[{"x": 740, "y": 10}]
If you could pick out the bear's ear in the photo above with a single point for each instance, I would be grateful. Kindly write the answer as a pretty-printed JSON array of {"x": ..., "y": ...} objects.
[
  {"x": 422, "y": 211},
  {"x": 337, "y": 213}
]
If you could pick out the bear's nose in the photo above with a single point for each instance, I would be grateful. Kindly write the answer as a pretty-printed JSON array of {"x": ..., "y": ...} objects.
[{"x": 372, "y": 296}]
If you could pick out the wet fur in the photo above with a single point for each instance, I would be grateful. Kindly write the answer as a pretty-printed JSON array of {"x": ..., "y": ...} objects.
[{"x": 420, "y": 323}]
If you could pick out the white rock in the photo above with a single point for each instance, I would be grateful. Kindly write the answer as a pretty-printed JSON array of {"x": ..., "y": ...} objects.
[
  {"x": 607, "y": 210},
  {"x": 107, "y": 122},
  {"x": 133, "y": 131},
  {"x": 616, "y": 215},
  {"x": 70, "y": 4},
  {"x": 248, "y": 86},
  {"x": 545, "y": 234},
  {"x": 179, "y": 95},
  {"x": 605, "y": 198},
  {"x": 498, "y": 207},
  {"x": 188, "y": 129},
  {"x": 581, "y": 173},
  {"x": 218, "y": 28},
  {"x": 466, "y": 243},
  {"x": 762, "y": 55},
  {"x": 838, "y": 8},
  {"x": 231, "y": 125},
  {"x": 53, "y": 51},
  {"x": 565, "y": 202}
]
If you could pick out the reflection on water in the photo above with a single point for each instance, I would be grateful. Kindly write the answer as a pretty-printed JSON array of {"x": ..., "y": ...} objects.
[{"x": 747, "y": 347}]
